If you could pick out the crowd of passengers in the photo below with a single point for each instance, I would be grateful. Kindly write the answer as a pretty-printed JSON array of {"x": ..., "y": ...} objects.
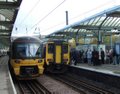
[{"x": 94, "y": 57}]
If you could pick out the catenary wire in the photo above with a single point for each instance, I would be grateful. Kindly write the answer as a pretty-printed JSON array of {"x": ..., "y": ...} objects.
[
  {"x": 48, "y": 14},
  {"x": 26, "y": 17},
  {"x": 45, "y": 30}
]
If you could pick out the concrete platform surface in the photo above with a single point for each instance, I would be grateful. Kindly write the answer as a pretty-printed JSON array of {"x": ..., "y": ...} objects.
[
  {"x": 6, "y": 84},
  {"x": 104, "y": 68}
]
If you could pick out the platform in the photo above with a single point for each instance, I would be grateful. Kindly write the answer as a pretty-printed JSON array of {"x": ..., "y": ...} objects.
[
  {"x": 6, "y": 84},
  {"x": 103, "y": 68}
]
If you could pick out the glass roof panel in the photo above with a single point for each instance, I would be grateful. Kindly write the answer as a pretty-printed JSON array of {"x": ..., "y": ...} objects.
[
  {"x": 110, "y": 21},
  {"x": 91, "y": 21},
  {"x": 117, "y": 22},
  {"x": 113, "y": 22},
  {"x": 106, "y": 21},
  {"x": 96, "y": 21},
  {"x": 75, "y": 30},
  {"x": 85, "y": 23},
  {"x": 7, "y": 13}
]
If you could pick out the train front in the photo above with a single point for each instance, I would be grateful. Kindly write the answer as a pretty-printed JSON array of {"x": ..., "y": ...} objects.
[
  {"x": 26, "y": 61},
  {"x": 57, "y": 56}
]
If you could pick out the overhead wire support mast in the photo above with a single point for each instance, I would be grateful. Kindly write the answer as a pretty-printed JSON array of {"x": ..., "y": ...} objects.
[
  {"x": 66, "y": 17},
  {"x": 48, "y": 14}
]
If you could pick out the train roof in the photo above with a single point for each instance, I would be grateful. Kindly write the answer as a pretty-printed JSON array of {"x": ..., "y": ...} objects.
[
  {"x": 26, "y": 39},
  {"x": 55, "y": 40}
]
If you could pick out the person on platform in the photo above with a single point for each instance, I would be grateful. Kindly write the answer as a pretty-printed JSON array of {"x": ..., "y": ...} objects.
[
  {"x": 102, "y": 55},
  {"x": 95, "y": 57},
  {"x": 89, "y": 56}
]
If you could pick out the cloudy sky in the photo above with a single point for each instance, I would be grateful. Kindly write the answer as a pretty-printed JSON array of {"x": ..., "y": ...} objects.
[{"x": 46, "y": 16}]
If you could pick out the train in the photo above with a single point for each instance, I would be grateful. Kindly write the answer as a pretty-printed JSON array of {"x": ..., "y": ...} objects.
[
  {"x": 56, "y": 54},
  {"x": 25, "y": 61}
]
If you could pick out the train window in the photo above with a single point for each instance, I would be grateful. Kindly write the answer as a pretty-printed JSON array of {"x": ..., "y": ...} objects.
[
  {"x": 50, "y": 48},
  {"x": 39, "y": 51},
  {"x": 65, "y": 48},
  {"x": 19, "y": 51},
  {"x": 25, "y": 50}
]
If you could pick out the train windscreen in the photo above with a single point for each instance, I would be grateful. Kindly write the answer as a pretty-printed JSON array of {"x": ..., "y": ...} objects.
[{"x": 28, "y": 50}]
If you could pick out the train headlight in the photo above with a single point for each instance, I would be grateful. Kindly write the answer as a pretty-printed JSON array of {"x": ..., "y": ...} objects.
[
  {"x": 50, "y": 60},
  {"x": 17, "y": 61},
  {"x": 39, "y": 61}
]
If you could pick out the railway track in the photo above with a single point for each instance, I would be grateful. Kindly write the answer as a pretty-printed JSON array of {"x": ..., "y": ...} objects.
[
  {"x": 32, "y": 87},
  {"x": 80, "y": 85}
]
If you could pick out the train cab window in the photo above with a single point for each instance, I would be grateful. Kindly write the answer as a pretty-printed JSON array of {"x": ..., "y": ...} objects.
[
  {"x": 27, "y": 50},
  {"x": 21, "y": 52},
  {"x": 39, "y": 52},
  {"x": 50, "y": 48},
  {"x": 65, "y": 48}
]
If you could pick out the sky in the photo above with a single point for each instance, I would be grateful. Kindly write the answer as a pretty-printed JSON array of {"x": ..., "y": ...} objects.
[{"x": 46, "y": 16}]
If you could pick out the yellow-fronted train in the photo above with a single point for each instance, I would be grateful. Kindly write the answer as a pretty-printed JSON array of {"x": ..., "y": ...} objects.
[
  {"x": 25, "y": 58},
  {"x": 56, "y": 54}
]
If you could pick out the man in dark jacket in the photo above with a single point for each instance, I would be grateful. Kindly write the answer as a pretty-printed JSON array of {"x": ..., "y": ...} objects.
[{"x": 95, "y": 57}]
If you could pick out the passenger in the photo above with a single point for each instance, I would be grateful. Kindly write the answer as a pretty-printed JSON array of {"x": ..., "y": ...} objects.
[
  {"x": 111, "y": 55},
  {"x": 75, "y": 57},
  {"x": 85, "y": 56},
  {"x": 118, "y": 59},
  {"x": 82, "y": 57},
  {"x": 107, "y": 57},
  {"x": 102, "y": 56},
  {"x": 114, "y": 57},
  {"x": 71, "y": 56},
  {"x": 89, "y": 56},
  {"x": 95, "y": 57},
  {"x": 78, "y": 56}
]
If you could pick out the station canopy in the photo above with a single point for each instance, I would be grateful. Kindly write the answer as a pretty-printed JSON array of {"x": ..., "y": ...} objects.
[
  {"x": 8, "y": 14},
  {"x": 105, "y": 23}
]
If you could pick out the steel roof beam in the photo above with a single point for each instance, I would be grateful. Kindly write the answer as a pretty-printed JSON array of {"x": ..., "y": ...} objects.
[
  {"x": 6, "y": 22},
  {"x": 84, "y": 33},
  {"x": 5, "y": 34},
  {"x": 69, "y": 37},
  {"x": 9, "y": 9},
  {"x": 67, "y": 33},
  {"x": 114, "y": 14},
  {"x": 5, "y": 31},
  {"x": 8, "y": 5},
  {"x": 97, "y": 27}
]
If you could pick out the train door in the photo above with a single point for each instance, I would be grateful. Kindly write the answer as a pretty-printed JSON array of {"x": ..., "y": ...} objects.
[{"x": 58, "y": 54}]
